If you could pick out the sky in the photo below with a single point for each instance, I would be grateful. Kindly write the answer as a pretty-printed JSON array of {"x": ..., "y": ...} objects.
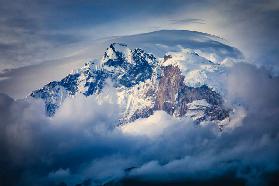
[
  {"x": 58, "y": 32},
  {"x": 43, "y": 41}
]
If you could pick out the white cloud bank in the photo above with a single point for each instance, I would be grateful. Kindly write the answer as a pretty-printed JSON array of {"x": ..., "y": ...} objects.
[{"x": 82, "y": 145}]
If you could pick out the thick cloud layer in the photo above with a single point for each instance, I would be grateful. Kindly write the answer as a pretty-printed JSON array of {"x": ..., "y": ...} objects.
[{"x": 82, "y": 144}]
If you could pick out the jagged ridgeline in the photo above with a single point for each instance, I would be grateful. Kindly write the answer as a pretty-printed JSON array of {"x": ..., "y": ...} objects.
[{"x": 143, "y": 84}]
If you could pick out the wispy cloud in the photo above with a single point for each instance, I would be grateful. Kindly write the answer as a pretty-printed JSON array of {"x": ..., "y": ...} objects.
[
  {"x": 187, "y": 21},
  {"x": 40, "y": 32}
]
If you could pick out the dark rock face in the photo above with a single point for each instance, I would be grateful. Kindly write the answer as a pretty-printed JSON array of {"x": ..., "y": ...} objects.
[
  {"x": 133, "y": 73},
  {"x": 98, "y": 81},
  {"x": 56, "y": 91},
  {"x": 70, "y": 83},
  {"x": 145, "y": 113},
  {"x": 169, "y": 85},
  {"x": 173, "y": 96},
  {"x": 50, "y": 94}
]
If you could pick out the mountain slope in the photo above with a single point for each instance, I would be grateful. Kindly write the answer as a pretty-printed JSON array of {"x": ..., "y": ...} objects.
[{"x": 176, "y": 84}]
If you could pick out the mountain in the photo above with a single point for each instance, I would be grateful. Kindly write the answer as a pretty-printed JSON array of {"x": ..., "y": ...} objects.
[
  {"x": 158, "y": 43},
  {"x": 183, "y": 84}
]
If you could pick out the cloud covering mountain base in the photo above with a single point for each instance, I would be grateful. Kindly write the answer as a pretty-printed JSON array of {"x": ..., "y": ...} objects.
[{"x": 82, "y": 144}]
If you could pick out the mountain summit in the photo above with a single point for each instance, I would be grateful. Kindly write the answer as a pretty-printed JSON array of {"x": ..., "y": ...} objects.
[{"x": 178, "y": 84}]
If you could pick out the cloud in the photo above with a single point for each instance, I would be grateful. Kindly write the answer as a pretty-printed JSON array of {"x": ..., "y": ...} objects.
[
  {"x": 46, "y": 31},
  {"x": 63, "y": 34},
  {"x": 19, "y": 82},
  {"x": 150, "y": 127},
  {"x": 82, "y": 145},
  {"x": 187, "y": 21},
  {"x": 250, "y": 26},
  {"x": 51, "y": 30},
  {"x": 59, "y": 174}
]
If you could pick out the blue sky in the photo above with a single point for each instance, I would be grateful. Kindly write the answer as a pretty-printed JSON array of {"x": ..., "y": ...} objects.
[{"x": 35, "y": 32}]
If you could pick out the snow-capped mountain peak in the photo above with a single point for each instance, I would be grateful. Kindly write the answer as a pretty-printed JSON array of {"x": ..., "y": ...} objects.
[
  {"x": 117, "y": 51},
  {"x": 144, "y": 84}
]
